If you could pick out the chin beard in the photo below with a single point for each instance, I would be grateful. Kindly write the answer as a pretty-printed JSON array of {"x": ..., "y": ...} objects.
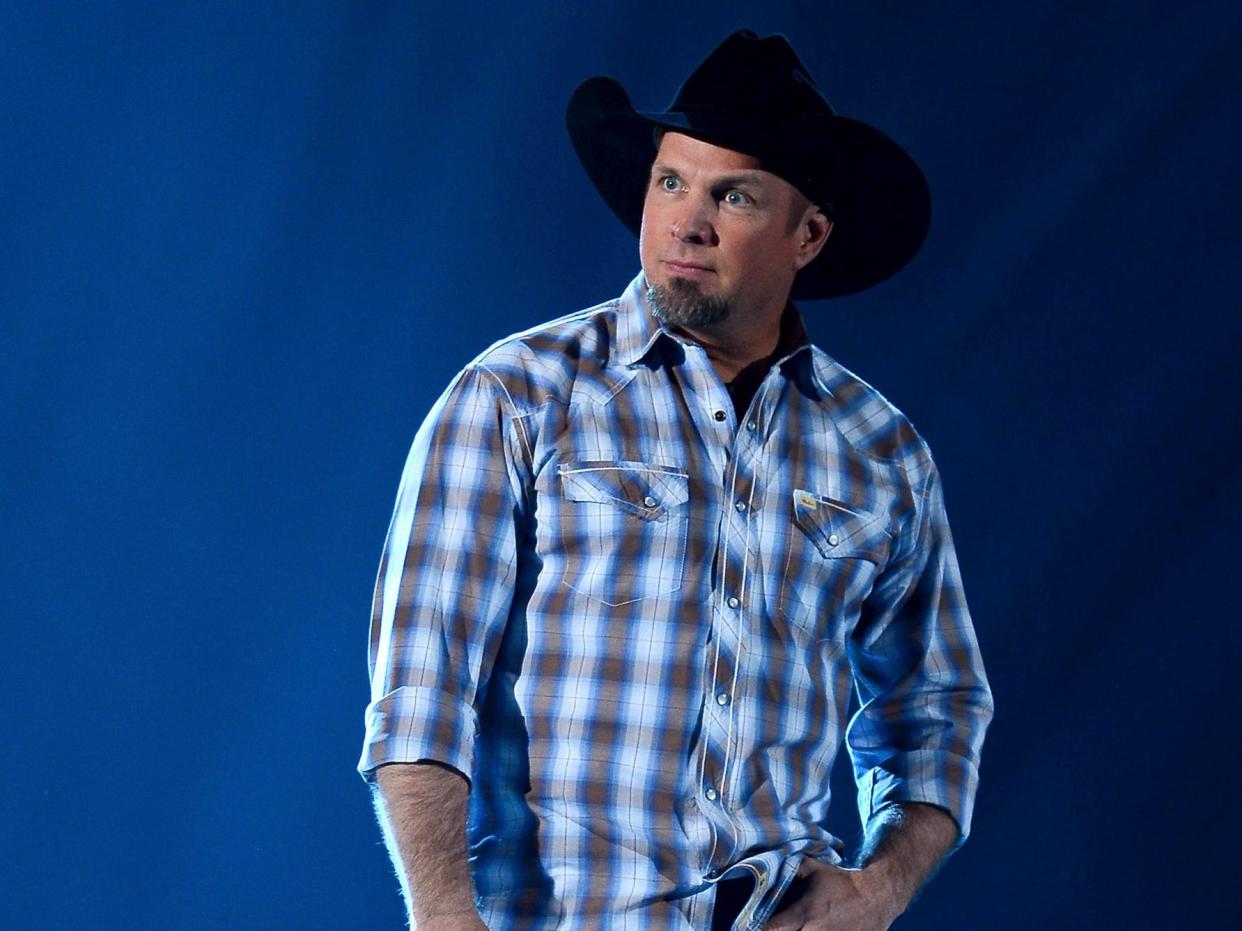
[{"x": 681, "y": 303}]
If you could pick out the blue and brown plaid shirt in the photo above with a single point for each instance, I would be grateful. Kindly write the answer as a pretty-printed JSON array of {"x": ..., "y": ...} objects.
[{"x": 634, "y": 621}]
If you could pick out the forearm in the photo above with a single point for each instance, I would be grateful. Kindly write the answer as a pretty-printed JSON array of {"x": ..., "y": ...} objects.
[
  {"x": 903, "y": 846},
  {"x": 422, "y": 810}
]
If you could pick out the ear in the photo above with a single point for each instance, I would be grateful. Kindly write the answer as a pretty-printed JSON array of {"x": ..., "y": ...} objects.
[{"x": 813, "y": 232}]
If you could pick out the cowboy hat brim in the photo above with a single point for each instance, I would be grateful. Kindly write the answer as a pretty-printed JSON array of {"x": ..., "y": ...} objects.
[{"x": 880, "y": 203}]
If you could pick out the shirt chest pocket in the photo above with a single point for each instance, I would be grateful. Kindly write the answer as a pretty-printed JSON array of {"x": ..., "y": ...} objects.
[
  {"x": 623, "y": 528},
  {"x": 835, "y": 552}
]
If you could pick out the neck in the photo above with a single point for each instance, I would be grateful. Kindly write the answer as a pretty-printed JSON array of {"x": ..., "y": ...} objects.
[
  {"x": 739, "y": 340},
  {"x": 728, "y": 357}
]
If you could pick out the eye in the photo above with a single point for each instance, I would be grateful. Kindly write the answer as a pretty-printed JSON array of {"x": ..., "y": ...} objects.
[
  {"x": 669, "y": 183},
  {"x": 736, "y": 198}
]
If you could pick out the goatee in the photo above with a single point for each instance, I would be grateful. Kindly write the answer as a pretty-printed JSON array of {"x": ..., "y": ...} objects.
[{"x": 681, "y": 303}]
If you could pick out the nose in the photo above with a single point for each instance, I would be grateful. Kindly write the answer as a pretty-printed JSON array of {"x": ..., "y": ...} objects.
[{"x": 694, "y": 225}]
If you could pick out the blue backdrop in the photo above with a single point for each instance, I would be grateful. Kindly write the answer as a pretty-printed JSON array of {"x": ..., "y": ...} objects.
[{"x": 245, "y": 245}]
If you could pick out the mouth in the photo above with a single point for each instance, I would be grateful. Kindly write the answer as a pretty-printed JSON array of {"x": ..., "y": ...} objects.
[{"x": 688, "y": 269}]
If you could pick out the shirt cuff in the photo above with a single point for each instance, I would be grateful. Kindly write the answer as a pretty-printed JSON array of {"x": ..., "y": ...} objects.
[
  {"x": 947, "y": 781},
  {"x": 417, "y": 723}
]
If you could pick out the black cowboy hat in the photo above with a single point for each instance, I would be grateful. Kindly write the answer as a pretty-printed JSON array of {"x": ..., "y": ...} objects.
[{"x": 754, "y": 96}]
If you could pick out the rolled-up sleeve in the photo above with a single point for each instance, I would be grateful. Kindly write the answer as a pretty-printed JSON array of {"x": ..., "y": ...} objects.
[
  {"x": 924, "y": 697},
  {"x": 446, "y": 576}
]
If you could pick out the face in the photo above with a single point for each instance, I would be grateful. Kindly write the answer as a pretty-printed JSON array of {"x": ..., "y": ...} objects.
[{"x": 721, "y": 238}]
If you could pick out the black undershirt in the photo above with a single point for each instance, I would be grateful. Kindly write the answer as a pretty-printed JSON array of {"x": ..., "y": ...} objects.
[{"x": 746, "y": 382}]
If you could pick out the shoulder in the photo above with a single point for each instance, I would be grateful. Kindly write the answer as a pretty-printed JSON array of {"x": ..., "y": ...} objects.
[
  {"x": 871, "y": 424},
  {"x": 553, "y": 361}
]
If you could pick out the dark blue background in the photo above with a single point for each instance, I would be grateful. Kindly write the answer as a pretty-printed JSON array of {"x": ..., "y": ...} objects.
[{"x": 244, "y": 247}]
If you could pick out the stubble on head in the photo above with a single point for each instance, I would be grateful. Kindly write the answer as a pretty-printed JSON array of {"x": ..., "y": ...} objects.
[{"x": 681, "y": 303}]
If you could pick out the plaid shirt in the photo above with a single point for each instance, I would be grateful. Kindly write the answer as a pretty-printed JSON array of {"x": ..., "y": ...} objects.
[{"x": 634, "y": 621}]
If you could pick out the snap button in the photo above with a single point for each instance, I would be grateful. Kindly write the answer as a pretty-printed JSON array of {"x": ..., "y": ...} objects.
[
  {"x": 752, "y": 425},
  {"x": 833, "y": 539},
  {"x": 649, "y": 502},
  {"x": 711, "y": 794},
  {"x": 719, "y": 415},
  {"x": 741, "y": 506},
  {"x": 733, "y": 602},
  {"x": 722, "y": 698}
]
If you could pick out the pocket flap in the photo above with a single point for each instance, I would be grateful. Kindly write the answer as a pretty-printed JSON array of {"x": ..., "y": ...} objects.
[
  {"x": 647, "y": 491},
  {"x": 837, "y": 529}
]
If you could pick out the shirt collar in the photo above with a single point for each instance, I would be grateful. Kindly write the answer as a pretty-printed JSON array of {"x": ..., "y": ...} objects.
[
  {"x": 637, "y": 330},
  {"x": 793, "y": 337}
]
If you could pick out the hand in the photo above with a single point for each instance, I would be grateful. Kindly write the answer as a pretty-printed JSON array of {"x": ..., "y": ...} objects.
[{"x": 824, "y": 897}]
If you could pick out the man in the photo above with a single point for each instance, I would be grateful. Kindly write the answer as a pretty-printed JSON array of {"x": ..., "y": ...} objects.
[{"x": 640, "y": 554}]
